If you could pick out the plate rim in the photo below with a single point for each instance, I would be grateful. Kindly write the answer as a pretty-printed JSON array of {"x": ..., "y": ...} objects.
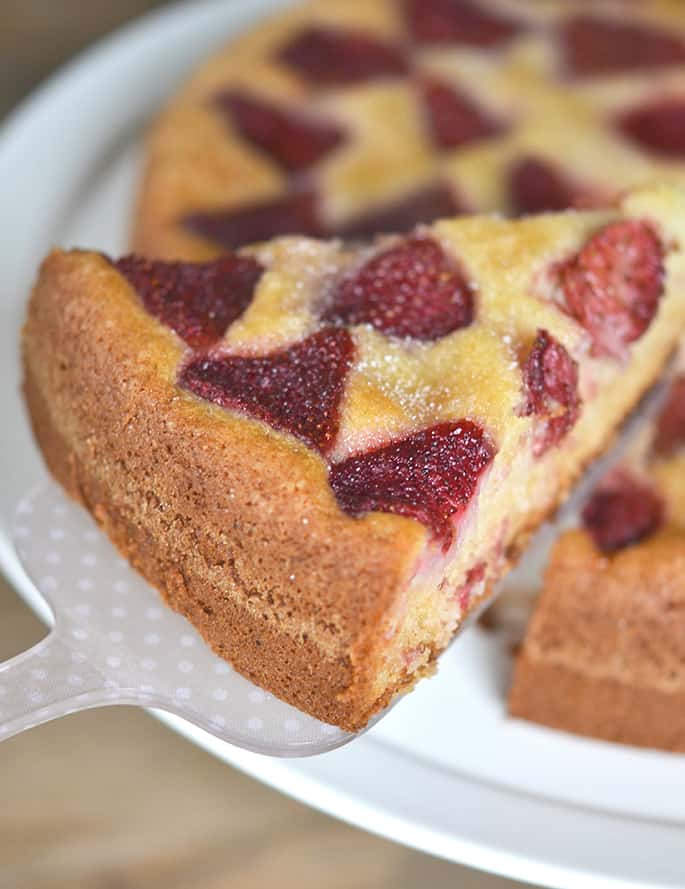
[{"x": 317, "y": 782}]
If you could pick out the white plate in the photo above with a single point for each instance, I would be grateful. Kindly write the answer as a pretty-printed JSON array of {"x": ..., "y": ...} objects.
[{"x": 446, "y": 772}]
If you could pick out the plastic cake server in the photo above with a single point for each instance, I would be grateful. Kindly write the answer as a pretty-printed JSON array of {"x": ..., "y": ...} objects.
[{"x": 115, "y": 642}]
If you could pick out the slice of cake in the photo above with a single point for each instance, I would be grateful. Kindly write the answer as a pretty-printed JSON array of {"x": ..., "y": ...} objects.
[
  {"x": 324, "y": 457},
  {"x": 604, "y": 654}
]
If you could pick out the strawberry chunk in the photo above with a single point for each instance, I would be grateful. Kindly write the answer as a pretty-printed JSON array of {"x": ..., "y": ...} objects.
[
  {"x": 297, "y": 390},
  {"x": 457, "y": 21},
  {"x": 593, "y": 45},
  {"x": 670, "y": 427},
  {"x": 330, "y": 57},
  {"x": 294, "y": 214},
  {"x": 536, "y": 186},
  {"x": 550, "y": 377},
  {"x": 196, "y": 300},
  {"x": 613, "y": 285},
  {"x": 296, "y": 142},
  {"x": 474, "y": 580},
  {"x": 454, "y": 119},
  {"x": 430, "y": 476},
  {"x": 621, "y": 512},
  {"x": 658, "y": 126},
  {"x": 410, "y": 290},
  {"x": 421, "y": 207}
]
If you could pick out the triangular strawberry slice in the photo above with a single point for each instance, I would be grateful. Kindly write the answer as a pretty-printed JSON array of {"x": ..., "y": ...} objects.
[
  {"x": 657, "y": 126},
  {"x": 430, "y": 476},
  {"x": 623, "y": 510},
  {"x": 297, "y": 389},
  {"x": 196, "y": 300},
  {"x": 536, "y": 186},
  {"x": 329, "y": 56},
  {"x": 295, "y": 141},
  {"x": 458, "y": 22},
  {"x": 550, "y": 377},
  {"x": 454, "y": 119},
  {"x": 296, "y": 213},
  {"x": 595, "y": 46}
]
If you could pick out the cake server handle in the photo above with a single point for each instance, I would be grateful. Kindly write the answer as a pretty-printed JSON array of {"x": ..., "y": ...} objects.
[{"x": 48, "y": 681}]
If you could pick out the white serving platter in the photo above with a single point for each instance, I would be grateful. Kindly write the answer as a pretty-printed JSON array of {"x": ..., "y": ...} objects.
[{"x": 446, "y": 771}]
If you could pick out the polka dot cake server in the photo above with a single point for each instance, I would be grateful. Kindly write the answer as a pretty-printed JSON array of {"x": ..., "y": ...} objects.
[{"x": 115, "y": 642}]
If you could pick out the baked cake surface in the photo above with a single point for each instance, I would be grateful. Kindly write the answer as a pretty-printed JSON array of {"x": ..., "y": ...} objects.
[
  {"x": 349, "y": 118},
  {"x": 604, "y": 654},
  {"x": 324, "y": 456}
]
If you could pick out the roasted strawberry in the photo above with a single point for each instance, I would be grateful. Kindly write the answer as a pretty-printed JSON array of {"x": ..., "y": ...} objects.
[
  {"x": 196, "y": 300},
  {"x": 410, "y": 290}
]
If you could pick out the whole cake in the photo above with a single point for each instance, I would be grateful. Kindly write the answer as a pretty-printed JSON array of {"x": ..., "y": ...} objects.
[
  {"x": 324, "y": 455},
  {"x": 349, "y": 118},
  {"x": 604, "y": 654}
]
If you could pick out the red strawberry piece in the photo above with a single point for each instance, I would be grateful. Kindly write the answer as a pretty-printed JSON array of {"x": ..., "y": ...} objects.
[
  {"x": 294, "y": 140},
  {"x": 297, "y": 390},
  {"x": 613, "y": 285},
  {"x": 538, "y": 187},
  {"x": 622, "y": 511},
  {"x": 419, "y": 208},
  {"x": 331, "y": 57},
  {"x": 474, "y": 578},
  {"x": 294, "y": 214},
  {"x": 454, "y": 119},
  {"x": 550, "y": 377},
  {"x": 196, "y": 300},
  {"x": 670, "y": 428},
  {"x": 658, "y": 126},
  {"x": 410, "y": 290},
  {"x": 430, "y": 476},
  {"x": 593, "y": 45},
  {"x": 457, "y": 21}
]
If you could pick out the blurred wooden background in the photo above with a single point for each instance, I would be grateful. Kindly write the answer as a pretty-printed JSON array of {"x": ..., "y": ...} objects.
[{"x": 111, "y": 799}]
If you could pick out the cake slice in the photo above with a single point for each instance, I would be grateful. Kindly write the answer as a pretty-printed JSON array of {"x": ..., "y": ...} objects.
[
  {"x": 324, "y": 457},
  {"x": 604, "y": 654}
]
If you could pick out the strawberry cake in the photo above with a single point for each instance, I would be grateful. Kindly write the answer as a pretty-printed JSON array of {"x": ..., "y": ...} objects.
[
  {"x": 604, "y": 653},
  {"x": 325, "y": 454},
  {"x": 350, "y": 118}
]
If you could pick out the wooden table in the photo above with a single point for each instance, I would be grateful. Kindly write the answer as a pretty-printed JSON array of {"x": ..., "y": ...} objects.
[{"x": 111, "y": 799}]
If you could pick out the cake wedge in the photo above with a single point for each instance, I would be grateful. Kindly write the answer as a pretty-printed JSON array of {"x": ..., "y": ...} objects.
[
  {"x": 324, "y": 456},
  {"x": 604, "y": 654}
]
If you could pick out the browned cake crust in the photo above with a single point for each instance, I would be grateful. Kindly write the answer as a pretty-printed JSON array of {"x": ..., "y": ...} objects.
[{"x": 605, "y": 652}]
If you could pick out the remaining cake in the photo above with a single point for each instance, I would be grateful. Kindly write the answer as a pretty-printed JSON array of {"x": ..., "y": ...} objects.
[
  {"x": 353, "y": 117},
  {"x": 604, "y": 654},
  {"x": 325, "y": 456},
  {"x": 605, "y": 651}
]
